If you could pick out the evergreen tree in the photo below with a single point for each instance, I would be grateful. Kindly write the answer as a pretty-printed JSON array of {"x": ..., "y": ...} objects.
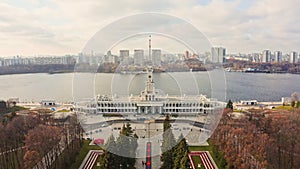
[
  {"x": 229, "y": 105},
  {"x": 293, "y": 103},
  {"x": 167, "y": 123},
  {"x": 167, "y": 145},
  {"x": 185, "y": 161},
  {"x": 126, "y": 145},
  {"x": 110, "y": 156},
  {"x": 128, "y": 129},
  {"x": 104, "y": 160},
  {"x": 180, "y": 150},
  {"x": 110, "y": 144}
]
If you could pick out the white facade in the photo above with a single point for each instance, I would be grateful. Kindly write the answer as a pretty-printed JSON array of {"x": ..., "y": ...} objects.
[
  {"x": 151, "y": 101},
  {"x": 249, "y": 102},
  {"x": 48, "y": 102}
]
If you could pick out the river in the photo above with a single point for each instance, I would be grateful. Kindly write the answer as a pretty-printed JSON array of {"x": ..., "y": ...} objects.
[{"x": 76, "y": 86}]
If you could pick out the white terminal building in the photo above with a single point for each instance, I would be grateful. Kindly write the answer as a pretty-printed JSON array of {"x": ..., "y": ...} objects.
[{"x": 150, "y": 102}]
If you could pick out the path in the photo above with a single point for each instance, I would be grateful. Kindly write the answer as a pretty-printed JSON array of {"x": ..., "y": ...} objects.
[{"x": 205, "y": 158}]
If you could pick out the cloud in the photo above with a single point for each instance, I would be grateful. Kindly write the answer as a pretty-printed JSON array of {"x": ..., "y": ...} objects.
[{"x": 61, "y": 27}]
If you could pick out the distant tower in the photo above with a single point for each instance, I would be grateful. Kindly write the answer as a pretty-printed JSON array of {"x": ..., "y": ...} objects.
[
  {"x": 138, "y": 57},
  {"x": 156, "y": 57},
  {"x": 218, "y": 55},
  {"x": 124, "y": 57},
  {"x": 277, "y": 56},
  {"x": 149, "y": 56},
  {"x": 150, "y": 83},
  {"x": 266, "y": 56},
  {"x": 186, "y": 55},
  {"x": 293, "y": 57},
  {"x": 109, "y": 58}
]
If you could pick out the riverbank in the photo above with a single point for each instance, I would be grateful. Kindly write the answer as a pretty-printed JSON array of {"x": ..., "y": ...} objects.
[{"x": 29, "y": 69}]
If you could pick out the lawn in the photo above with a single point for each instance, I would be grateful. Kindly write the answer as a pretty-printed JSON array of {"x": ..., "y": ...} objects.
[
  {"x": 83, "y": 152},
  {"x": 205, "y": 148},
  {"x": 197, "y": 161},
  {"x": 200, "y": 148},
  {"x": 283, "y": 108},
  {"x": 63, "y": 111}
]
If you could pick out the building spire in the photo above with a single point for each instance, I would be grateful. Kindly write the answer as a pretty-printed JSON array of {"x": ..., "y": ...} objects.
[{"x": 150, "y": 57}]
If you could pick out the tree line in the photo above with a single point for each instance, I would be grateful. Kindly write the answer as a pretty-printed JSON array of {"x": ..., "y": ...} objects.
[
  {"x": 260, "y": 139},
  {"x": 37, "y": 140}
]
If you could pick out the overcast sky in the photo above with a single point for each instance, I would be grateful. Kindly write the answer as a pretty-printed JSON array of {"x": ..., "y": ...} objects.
[{"x": 32, "y": 27}]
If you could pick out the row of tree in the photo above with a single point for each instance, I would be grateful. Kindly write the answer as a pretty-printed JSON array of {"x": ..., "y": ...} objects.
[
  {"x": 26, "y": 140},
  {"x": 259, "y": 140},
  {"x": 12, "y": 136},
  {"x": 174, "y": 154},
  {"x": 272, "y": 67},
  {"x": 53, "y": 145}
]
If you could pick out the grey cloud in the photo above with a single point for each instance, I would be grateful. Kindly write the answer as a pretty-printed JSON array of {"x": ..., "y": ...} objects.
[{"x": 264, "y": 23}]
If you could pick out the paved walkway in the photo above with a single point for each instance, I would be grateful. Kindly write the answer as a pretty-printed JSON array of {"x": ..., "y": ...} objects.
[
  {"x": 155, "y": 152},
  {"x": 205, "y": 158},
  {"x": 90, "y": 159}
]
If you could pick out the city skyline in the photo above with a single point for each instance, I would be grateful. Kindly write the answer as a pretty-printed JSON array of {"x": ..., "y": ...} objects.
[{"x": 53, "y": 27}]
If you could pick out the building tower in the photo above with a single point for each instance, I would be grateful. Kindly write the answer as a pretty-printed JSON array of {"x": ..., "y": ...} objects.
[
  {"x": 138, "y": 57},
  {"x": 149, "y": 56},
  {"x": 293, "y": 57},
  {"x": 266, "y": 56},
  {"x": 156, "y": 57},
  {"x": 218, "y": 55},
  {"x": 277, "y": 56},
  {"x": 124, "y": 57}
]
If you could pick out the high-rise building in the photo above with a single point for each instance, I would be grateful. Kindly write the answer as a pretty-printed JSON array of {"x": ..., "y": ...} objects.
[
  {"x": 218, "y": 55},
  {"x": 109, "y": 58},
  {"x": 186, "y": 55},
  {"x": 138, "y": 57},
  {"x": 1, "y": 62},
  {"x": 293, "y": 57},
  {"x": 277, "y": 56},
  {"x": 266, "y": 56},
  {"x": 124, "y": 56},
  {"x": 255, "y": 57},
  {"x": 156, "y": 57}
]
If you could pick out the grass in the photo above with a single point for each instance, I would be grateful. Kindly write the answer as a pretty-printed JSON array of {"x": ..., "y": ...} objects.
[
  {"x": 63, "y": 111},
  {"x": 95, "y": 165},
  {"x": 238, "y": 111},
  {"x": 197, "y": 161},
  {"x": 206, "y": 148},
  {"x": 283, "y": 108},
  {"x": 83, "y": 152},
  {"x": 200, "y": 148},
  {"x": 12, "y": 109},
  {"x": 17, "y": 108}
]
